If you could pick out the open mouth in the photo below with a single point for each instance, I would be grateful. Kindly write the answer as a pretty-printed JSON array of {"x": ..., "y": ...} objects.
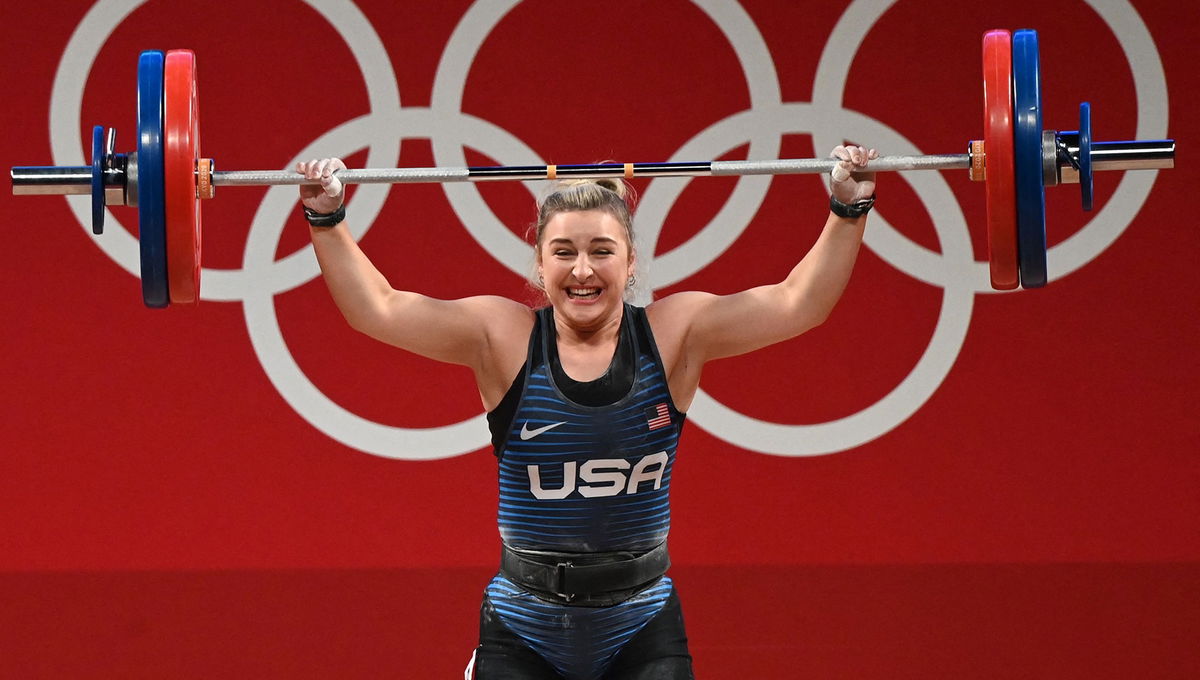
[{"x": 583, "y": 293}]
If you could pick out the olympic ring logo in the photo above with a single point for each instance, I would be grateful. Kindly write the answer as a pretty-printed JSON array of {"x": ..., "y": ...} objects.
[{"x": 954, "y": 269}]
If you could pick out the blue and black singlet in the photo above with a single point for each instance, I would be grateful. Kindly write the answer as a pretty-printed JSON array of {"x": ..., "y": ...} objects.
[{"x": 584, "y": 468}]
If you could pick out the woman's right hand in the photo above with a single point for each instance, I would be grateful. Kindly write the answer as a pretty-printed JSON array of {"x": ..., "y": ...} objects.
[
  {"x": 328, "y": 196},
  {"x": 850, "y": 180}
]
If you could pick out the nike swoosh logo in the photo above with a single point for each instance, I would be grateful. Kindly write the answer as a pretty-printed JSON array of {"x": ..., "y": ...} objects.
[{"x": 527, "y": 434}]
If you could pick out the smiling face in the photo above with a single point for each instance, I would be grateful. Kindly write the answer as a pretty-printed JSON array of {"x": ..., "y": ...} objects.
[{"x": 585, "y": 261}]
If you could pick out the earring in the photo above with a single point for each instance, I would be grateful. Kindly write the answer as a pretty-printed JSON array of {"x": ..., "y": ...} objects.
[{"x": 631, "y": 282}]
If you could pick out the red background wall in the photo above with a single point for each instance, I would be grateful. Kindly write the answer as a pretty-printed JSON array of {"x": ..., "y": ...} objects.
[{"x": 164, "y": 511}]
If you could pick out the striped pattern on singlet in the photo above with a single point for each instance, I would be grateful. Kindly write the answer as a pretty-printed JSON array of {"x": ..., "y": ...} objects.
[{"x": 577, "y": 478}]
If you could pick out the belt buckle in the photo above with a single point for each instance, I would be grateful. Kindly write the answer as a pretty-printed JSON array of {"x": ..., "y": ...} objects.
[{"x": 560, "y": 581}]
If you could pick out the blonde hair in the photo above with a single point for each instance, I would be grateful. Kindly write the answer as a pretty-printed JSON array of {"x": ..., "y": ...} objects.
[{"x": 577, "y": 195}]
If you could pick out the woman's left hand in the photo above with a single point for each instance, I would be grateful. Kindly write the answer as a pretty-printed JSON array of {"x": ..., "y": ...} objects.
[
  {"x": 849, "y": 182},
  {"x": 328, "y": 196}
]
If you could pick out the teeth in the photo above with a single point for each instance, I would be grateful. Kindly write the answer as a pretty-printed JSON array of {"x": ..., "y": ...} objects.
[{"x": 583, "y": 292}]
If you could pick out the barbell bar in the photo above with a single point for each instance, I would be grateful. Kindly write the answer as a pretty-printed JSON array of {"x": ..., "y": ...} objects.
[{"x": 166, "y": 178}]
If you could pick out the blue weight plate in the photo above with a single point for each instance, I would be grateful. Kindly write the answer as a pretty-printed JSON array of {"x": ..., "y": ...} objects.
[
  {"x": 1085, "y": 154},
  {"x": 98, "y": 180},
  {"x": 1027, "y": 133},
  {"x": 152, "y": 210}
]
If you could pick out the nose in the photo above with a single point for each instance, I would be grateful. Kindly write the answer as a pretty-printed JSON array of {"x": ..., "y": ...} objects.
[{"x": 582, "y": 270}]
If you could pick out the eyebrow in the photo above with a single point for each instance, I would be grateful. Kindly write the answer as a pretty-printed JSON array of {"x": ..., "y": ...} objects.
[{"x": 604, "y": 239}]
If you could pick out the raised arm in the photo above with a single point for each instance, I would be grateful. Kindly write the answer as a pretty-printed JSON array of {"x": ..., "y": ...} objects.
[
  {"x": 465, "y": 331},
  {"x": 697, "y": 327}
]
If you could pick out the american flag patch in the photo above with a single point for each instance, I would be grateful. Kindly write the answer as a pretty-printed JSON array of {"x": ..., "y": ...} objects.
[{"x": 658, "y": 416}]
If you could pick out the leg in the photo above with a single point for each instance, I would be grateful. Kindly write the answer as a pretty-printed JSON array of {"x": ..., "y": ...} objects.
[
  {"x": 659, "y": 651},
  {"x": 502, "y": 655}
]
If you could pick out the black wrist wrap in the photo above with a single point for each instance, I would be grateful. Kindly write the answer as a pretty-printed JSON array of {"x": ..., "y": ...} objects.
[
  {"x": 332, "y": 219},
  {"x": 852, "y": 211}
]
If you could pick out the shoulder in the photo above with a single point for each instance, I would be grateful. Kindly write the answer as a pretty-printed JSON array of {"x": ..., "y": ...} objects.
[
  {"x": 500, "y": 316},
  {"x": 677, "y": 311},
  {"x": 673, "y": 318}
]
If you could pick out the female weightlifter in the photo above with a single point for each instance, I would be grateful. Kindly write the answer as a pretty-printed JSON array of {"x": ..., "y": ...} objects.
[{"x": 585, "y": 400}]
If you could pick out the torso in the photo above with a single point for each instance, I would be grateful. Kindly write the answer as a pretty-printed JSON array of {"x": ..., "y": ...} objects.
[{"x": 590, "y": 460}]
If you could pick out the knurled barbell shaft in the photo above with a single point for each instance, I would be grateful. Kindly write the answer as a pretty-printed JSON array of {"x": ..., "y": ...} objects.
[{"x": 595, "y": 171}]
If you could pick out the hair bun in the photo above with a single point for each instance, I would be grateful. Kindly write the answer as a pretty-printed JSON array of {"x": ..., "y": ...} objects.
[{"x": 617, "y": 186}]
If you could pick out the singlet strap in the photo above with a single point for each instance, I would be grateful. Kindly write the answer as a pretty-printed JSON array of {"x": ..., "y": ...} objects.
[{"x": 500, "y": 418}]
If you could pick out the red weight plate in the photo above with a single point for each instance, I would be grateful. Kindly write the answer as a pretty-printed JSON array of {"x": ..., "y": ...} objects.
[
  {"x": 1000, "y": 171},
  {"x": 181, "y": 142}
]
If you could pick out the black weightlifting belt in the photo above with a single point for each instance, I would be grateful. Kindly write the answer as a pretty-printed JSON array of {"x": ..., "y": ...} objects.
[{"x": 584, "y": 579}]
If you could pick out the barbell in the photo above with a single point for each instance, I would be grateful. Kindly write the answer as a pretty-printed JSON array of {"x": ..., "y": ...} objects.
[{"x": 166, "y": 178}]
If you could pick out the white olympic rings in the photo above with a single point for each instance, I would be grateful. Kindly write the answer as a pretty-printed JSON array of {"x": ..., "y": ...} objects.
[{"x": 450, "y": 130}]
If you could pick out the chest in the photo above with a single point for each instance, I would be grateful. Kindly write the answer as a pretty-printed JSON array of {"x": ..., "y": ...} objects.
[
  {"x": 585, "y": 363},
  {"x": 558, "y": 449}
]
